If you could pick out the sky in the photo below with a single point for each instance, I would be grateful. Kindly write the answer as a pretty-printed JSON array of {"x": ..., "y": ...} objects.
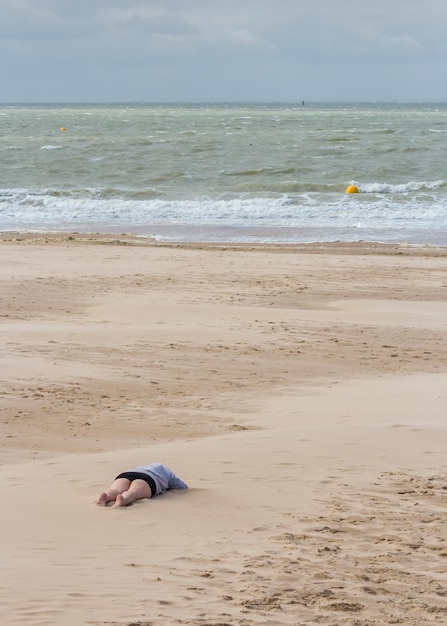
[{"x": 223, "y": 50}]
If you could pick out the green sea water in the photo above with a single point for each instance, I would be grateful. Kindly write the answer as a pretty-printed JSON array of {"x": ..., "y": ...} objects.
[{"x": 239, "y": 172}]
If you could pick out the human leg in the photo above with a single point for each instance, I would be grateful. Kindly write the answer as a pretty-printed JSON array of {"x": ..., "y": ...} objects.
[
  {"x": 119, "y": 486},
  {"x": 138, "y": 490}
]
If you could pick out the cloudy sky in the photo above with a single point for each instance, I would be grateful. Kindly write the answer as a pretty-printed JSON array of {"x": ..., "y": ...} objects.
[{"x": 223, "y": 50}]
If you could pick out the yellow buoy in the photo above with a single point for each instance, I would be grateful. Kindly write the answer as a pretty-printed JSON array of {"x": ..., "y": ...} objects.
[
  {"x": 63, "y": 128},
  {"x": 352, "y": 189}
]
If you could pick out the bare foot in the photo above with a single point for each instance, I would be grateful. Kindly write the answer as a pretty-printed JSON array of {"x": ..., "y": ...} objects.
[
  {"x": 120, "y": 501},
  {"x": 102, "y": 500}
]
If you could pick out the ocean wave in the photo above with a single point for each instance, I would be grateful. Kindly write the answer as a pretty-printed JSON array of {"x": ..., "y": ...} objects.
[
  {"x": 377, "y": 204},
  {"x": 401, "y": 187}
]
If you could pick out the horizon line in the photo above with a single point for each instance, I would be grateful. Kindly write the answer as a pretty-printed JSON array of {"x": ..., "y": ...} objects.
[{"x": 301, "y": 102}]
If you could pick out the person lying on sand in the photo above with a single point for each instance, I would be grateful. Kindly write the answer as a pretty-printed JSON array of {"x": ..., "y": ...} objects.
[{"x": 144, "y": 481}]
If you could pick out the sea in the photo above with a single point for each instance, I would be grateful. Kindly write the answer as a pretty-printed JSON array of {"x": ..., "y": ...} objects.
[{"x": 228, "y": 172}]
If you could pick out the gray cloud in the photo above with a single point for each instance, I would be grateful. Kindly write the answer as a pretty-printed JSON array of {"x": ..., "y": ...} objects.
[
  {"x": 160, "y": 25},
  {"x": 32, "y": 20},
  {"x": 232, "y": 50}
]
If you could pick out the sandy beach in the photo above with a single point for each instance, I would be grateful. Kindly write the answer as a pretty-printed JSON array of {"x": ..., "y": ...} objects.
[{"x": 300, "y": 391}]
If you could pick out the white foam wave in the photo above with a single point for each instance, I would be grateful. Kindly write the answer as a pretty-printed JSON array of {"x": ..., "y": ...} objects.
[
  {"x": 400, "y": 188},
  {"x": 333, "y": 212}
]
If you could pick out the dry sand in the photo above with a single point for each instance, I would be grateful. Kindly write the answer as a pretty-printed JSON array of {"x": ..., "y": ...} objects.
[{"x": 300, "y": 391}]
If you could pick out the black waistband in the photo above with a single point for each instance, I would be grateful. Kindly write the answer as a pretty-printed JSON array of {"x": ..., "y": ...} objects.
[{"x": 140, "y": 476}]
